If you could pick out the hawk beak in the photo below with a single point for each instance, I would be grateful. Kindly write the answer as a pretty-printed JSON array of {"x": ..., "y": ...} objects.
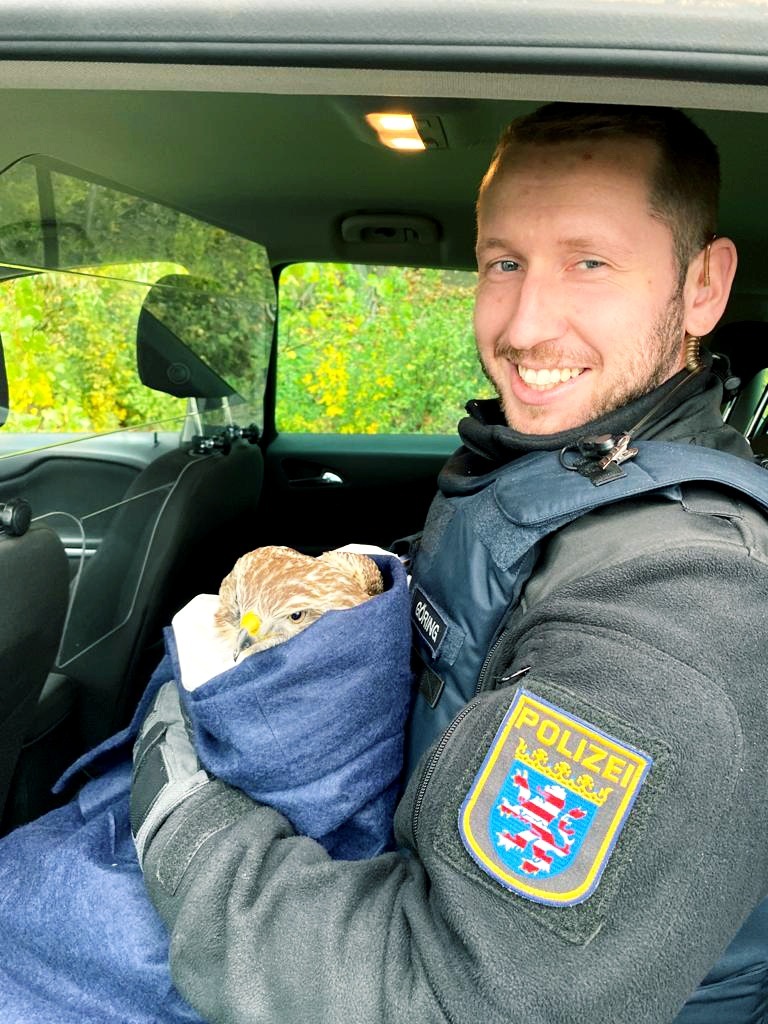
[
  {"x": 244, "y": 641},
  {"x": 250, "y": 627}
]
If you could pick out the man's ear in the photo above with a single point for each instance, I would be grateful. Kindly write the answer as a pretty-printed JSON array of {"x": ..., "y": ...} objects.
[{"x": 708, "y": 285}]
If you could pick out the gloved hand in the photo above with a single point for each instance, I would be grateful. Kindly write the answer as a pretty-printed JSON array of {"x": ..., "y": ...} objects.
[{"x": 165, "y": 767}]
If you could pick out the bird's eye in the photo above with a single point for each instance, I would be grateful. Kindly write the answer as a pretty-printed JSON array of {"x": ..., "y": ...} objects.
[{"x": 297, "y": 616}]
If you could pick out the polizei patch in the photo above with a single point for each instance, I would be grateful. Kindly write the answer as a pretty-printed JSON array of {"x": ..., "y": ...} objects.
[
  {"x": 548, "y": 804},
  {"x": 430, "y": 626}
]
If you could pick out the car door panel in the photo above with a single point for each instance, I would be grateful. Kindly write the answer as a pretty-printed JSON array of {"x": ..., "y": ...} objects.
[
  {"x": 323, "y": 490},
  {"x": 75, "y": 486}
]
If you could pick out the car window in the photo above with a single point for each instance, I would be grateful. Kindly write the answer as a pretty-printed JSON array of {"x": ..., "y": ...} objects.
[
  {"x": 375, "y": 349},
  {"x": 69, "y": 344},
  {"x": 755, "y": 423},
  {"x": 115, "y": 310}
]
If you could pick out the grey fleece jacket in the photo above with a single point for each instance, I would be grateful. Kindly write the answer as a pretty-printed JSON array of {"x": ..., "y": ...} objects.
[{"x": 647, "y": 620}]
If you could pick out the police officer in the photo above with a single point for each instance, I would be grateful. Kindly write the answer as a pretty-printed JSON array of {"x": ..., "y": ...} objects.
[{"x": 588, "y": 834}]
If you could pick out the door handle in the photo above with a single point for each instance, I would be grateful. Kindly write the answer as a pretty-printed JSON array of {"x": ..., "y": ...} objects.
[{"x": 325, "y": 479}]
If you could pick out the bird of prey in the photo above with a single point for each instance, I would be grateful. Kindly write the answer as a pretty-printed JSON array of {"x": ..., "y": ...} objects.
[{"x": 273, "y": 593}]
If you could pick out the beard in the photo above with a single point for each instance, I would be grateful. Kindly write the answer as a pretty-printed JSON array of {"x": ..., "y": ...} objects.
[
  {"x": 651, "y": 361},
  {"x": 655, "y": 359}
]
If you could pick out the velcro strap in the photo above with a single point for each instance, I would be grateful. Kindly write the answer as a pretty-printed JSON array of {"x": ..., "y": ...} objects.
[
  {"x": 217, "y": 807},
  {"x": 431, "y": 687},
  {"x": 150, "y": 775}
]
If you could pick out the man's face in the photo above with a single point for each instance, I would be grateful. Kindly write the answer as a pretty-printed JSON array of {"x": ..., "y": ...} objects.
[{"x": 578, "y": 309}]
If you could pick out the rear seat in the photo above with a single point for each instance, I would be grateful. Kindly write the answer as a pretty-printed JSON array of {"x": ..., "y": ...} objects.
[
  {"x": 745, "y": 344},
  {"x": 180, "y": 526}
]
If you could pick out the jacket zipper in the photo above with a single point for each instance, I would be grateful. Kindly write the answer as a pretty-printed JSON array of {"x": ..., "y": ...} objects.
[
  {"x": 488, "y": 664},
  {"x": 479, "y": 685},
  {"x": 429, "y": 770}
]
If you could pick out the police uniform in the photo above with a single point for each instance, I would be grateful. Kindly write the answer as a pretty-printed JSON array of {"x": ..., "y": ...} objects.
[{"x": 584, "y": 839}]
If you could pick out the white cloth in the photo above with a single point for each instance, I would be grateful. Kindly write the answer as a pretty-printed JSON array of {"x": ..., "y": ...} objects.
[{"x": 202, "y": 653}]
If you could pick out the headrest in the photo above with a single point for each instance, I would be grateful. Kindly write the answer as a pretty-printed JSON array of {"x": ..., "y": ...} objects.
[
  {"x": 180, "y": 314},
  {"x": 3, "y": 388},
  {"x": 745, "y": 343}
]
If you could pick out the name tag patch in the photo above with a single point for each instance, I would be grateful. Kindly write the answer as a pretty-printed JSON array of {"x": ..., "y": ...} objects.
[
  {"x": 428, "y": 623},
  {"x": 549, "y": 801}
]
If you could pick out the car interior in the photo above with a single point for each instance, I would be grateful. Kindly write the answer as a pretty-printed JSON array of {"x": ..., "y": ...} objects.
[{"x": 185, "y": 210}]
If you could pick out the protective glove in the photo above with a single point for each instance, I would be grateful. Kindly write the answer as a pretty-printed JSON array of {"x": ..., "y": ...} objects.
[{"x": 166, "y": 770}]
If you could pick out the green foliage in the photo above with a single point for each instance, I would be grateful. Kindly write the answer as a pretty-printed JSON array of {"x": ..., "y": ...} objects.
[
  {"x": 70, "y": 334},
  {"x": 375, "y": 349},
  {"x": 362, "y": 349},
  {"x": 69, "y": 341},
  {"x": 69, "y": 345}
]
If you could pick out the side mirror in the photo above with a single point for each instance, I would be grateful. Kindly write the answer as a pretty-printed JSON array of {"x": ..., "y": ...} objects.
[{"x": 178, "y": 308}]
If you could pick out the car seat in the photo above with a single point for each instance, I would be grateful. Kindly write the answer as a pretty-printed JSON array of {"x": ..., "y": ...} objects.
[
  {"x": 744, "y": 343},
  {"x": 176, "y": 532},
  {"x": 33, "y": 605}
]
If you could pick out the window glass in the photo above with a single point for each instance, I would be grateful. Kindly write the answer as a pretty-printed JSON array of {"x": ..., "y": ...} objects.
[
  {"x": 365, "y": 349},
  {"x": 69, "y": 342},
  {"x": 760, "y": 419},
  {"x": 115, "y": 310}
]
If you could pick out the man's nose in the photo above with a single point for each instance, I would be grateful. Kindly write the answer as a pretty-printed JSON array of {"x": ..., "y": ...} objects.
[{"x": 536, "y": 316}]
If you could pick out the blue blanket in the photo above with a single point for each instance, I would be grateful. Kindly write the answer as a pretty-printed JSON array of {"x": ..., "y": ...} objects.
[{"x": 313, "y": 727}]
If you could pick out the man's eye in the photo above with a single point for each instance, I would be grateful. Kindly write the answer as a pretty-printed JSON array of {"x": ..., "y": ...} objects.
[
  {"x": 591, "y": 264},
  {"x": 506, "y": 266}
]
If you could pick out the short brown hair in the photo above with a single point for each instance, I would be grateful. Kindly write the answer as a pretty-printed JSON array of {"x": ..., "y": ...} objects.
[{"x": 685, "y": 186}]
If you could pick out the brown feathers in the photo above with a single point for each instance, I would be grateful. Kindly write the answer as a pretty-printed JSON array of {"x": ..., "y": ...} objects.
[
  {"x": 273, "y": 593},
  {"x": 359, "y": 567}
]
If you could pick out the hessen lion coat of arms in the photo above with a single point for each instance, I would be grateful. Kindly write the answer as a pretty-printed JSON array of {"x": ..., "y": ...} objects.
[{"x": 550, "y": 799}]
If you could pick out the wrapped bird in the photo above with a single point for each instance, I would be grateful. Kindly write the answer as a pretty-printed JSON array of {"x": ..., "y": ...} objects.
[
  {"x": 273, "y": 593},
  {"x": 313, "y": 728}
]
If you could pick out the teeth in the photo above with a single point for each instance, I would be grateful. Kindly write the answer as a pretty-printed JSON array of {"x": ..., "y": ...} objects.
[{"x": 547, "y": 378}]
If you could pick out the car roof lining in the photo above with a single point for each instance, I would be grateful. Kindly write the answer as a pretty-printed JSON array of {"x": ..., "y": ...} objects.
[{"x": 175, "y": 132}]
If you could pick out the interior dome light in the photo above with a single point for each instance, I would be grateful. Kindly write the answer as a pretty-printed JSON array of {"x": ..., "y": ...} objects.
[
  {"x": 403, "y": 141},
  {"x": 396, "y": 131},
  {"x": 392, "y": 122}
]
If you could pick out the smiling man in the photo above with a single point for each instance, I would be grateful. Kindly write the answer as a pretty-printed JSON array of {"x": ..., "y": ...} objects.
[
  {"x": 582, "y": 832},
  {"x": 591, "y": 249}
]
